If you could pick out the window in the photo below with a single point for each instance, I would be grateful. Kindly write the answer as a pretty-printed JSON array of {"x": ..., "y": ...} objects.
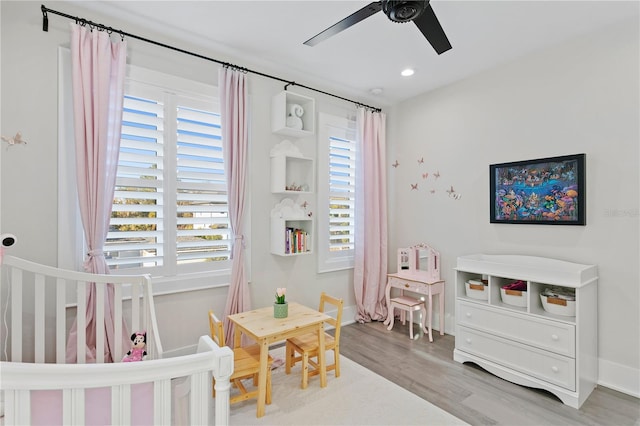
[
  {"x": 170, "y": 203},
  {"x": 336, "y": 192},
  {"x": 170, "y": 210}
]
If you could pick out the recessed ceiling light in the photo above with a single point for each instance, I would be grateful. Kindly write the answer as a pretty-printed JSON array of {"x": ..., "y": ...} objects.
[{"x": 407, "y": 72}]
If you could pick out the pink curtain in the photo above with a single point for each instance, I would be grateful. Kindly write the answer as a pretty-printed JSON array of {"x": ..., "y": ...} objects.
[
  {"x": 98, "y": 71},
  {"x": 233, "y": 105},
  {"x": 370, "y": 269}
]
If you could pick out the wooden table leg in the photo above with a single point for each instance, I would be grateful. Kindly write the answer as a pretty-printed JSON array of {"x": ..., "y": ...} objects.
[
  {"x": 387, "y": 296},
  {"x": 390, "y": 318},
  {"x": 441, "y": 300},
  {"x": 322, "y": 364},
  {"x": 429, "y": 315},
  {"x": 237, "y": 336},
  {"x": 262, "y": 378},
  {"x": 423, "y": 321}
]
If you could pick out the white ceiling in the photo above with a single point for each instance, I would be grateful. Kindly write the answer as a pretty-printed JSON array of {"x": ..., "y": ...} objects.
[{"x": 267, "y": 36}]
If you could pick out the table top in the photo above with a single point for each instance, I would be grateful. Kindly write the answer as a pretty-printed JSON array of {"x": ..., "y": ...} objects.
[{"x": 262, "y": 325}]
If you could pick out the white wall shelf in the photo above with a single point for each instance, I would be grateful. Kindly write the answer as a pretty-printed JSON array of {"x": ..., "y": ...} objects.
[
  {"x": 291, "y": 229},
  {"x": 286, "y": 118},
  {"x": 526, "y": 344},
  {"x": 291, "y": 175}
]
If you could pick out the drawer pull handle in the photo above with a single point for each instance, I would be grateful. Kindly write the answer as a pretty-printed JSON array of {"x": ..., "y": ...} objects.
[
  {"x": 554, "y": 337},
  {"x": 406, "y": 285},
  {"x": 555, "y": 369},
  {"x": 468, "y": 314}
]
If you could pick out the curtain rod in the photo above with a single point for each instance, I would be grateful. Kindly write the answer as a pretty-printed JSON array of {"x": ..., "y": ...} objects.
[{"x": 101, "y": 27}]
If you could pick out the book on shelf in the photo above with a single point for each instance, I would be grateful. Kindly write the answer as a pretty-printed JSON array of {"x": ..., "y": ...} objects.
[{"x": 295, "y": 240}]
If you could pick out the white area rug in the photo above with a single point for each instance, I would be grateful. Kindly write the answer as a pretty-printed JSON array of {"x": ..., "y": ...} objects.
[{"x": 357, "y": 397}]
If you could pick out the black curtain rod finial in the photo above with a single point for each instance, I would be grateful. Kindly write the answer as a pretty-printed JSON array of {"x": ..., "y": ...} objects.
[{"x": 45, "y": 19}]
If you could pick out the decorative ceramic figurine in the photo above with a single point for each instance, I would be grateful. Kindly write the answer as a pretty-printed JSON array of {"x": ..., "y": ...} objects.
[{"x": 293, "y": 119}]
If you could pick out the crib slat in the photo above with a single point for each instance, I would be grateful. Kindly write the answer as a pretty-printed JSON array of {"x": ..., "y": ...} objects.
[
  {"x": 99, "y": 320},
  {"x": 81, "y": 322},
  {"x": 135, "y": 308},
  {"x": 73, "y": 407},
  {"x": 61, "y": 342},
  {"x": 198, "y": 406},
  {"x": 16, "y": 315},
  {"x": 17, "y": 407},
  {"x": 154, "y": 345},
  {"x": 39, "y": 320},
  {"x": 121, "y": 405},
  {"x": 162, "y": 402},
  {"x": 117, "y": 314}
]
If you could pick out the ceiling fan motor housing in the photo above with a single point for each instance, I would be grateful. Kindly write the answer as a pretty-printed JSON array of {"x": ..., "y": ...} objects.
[{"x": 403, "y": 11}]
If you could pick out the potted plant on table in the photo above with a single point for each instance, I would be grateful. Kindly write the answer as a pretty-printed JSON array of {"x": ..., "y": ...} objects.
[{"x": 280, "y": 307}]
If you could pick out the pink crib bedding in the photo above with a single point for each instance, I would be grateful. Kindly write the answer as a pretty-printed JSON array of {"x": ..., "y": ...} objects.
[{"x": 46, "y": 406}]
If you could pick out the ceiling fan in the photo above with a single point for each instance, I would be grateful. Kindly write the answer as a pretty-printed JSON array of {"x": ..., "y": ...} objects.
[{"x": 420, "y": 12}]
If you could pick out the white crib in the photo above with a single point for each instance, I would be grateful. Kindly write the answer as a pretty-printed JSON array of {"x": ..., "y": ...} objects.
[{"x": 38, "y": 306}]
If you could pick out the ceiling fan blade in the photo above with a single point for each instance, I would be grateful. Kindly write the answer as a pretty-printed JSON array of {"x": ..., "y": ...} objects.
[
  {"x": 429, "y": 25},
  {"x": 350, "y": 20}
]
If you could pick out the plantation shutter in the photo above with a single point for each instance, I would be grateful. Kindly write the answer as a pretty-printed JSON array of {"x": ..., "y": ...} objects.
[
  {"x": 202, "y": 206},
  {"x": 135, "y": 235},
  {"x": 342, "y": 171},
  {"x": 170, "y": 205}
]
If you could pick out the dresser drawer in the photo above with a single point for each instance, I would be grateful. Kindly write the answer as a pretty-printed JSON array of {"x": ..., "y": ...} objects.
[
  {"x": 539, "y": 332},
  {"x": 556, "y": 369},
  {"x": 407, "y": 285}
]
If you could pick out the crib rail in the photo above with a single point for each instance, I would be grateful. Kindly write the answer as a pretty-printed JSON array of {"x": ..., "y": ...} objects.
[
  {"x": 20, "y": 379},
  {"x": 40, "y": 297}
]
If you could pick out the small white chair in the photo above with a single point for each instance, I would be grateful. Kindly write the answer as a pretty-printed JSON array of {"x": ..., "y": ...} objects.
[{"x": 407, "y": 304}]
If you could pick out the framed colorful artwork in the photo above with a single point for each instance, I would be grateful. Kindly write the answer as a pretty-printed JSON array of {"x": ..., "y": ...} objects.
[{"x": 548, "y": 191}]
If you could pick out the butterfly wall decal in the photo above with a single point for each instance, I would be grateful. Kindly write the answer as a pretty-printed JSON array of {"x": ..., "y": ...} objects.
[
  {"x": 453, "y": 194},
  {"x": 14, "y": 140},
  {"x": 425, "y": 175},
  {"x": 414, "y": 186},
  {"x": 421, "y": 160},
  {"x": 396, "y": 164},
  {"x": 437, "y": 174}
]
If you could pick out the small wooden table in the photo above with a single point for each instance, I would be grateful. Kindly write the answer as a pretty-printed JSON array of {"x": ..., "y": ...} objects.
[
  {"x": 414, "y": 283},
  {"x": 261, "y": 326}
]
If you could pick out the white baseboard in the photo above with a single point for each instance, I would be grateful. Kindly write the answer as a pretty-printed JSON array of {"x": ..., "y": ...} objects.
[{"x": 619, "y": 377}]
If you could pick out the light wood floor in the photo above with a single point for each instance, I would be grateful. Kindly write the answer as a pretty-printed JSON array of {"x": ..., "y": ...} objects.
[{"x": 466, "y": 390}]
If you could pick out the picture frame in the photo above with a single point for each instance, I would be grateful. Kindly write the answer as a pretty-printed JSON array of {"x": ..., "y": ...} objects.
[{"x": 549, "y": 191}]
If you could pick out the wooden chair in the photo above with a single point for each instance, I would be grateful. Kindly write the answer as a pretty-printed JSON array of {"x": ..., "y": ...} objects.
[
  {"x": 246, "y": 364},
  {"x": 307, "y": 345}
]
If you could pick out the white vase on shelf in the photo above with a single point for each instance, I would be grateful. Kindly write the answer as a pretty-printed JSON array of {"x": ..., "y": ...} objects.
[{"x": 293, "y": 118}]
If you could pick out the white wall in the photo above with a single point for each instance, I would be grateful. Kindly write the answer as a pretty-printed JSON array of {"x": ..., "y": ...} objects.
[
  {"x": 580, "y": 97},
  {"x": 29, "y": 173}
]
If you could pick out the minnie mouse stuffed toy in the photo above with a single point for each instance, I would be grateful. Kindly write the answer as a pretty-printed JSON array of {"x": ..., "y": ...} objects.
[{"x": 137, "y": 352}]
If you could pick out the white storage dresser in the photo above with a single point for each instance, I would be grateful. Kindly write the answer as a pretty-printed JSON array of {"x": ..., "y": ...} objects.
[{"x": 520, "y": 341}]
